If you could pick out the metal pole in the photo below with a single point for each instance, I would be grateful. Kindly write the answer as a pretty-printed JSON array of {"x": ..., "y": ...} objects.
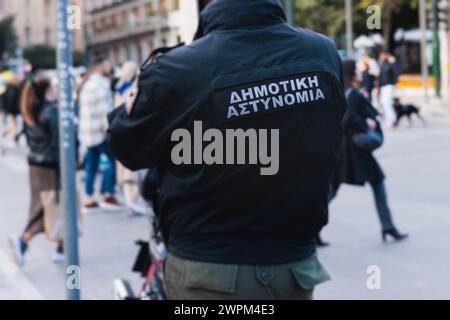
[
  {"x": 349, "y": 27},
  {"x": 67, "y": 148},
  {"x": 423, "y": 46},
  {"x": 158, "y": 30},
  {"x": 443, "y": 39},
  {"x": 443, "y": 62},
  {"x": 289, "y": 7},
  {"x": 436, "y": 49}
]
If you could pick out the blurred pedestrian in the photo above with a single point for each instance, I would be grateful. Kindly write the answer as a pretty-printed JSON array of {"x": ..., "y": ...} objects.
[
  {"x": 96, "y": 101},
  {"x": 11, "y": 105},
  {"x": 386, "y": 82},
  {"x": 357, "y": 165},
  {"x": 40, "y": 114},
  {"x": 367, "y": 79},
  {"x": 233, "y": 232},
  {"x": 127, "y": 179}
]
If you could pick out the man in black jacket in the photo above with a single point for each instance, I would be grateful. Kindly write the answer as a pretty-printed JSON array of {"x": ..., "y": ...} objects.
[{"x": 239, "y": 228}]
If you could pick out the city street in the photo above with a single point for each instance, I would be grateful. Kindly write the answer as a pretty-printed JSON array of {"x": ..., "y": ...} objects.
[
  {"x": 415, "y": 160},
  {"x": 107, "y": 248}
]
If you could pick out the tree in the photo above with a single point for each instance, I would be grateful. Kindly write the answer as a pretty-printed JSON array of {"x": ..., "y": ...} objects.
[
  {"x": 44, "y": 57},
  {"x": 323, "y": 16},
  {"x": 391, "y": 9},
  {"x": 328, "y": 16},
  {"x": 8, "y": 38}
]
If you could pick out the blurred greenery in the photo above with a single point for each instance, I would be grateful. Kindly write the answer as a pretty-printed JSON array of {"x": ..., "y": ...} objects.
[
  {"x": 328, "y": 16},
  {"x": 8, "y": 37},
  {"x": 44, "y": 57}
]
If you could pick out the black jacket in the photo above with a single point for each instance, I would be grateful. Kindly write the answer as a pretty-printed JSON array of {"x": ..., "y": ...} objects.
[
  {"x": 42, "y": 138},
  {"x": 232, "y": 213},
  {"x": 356, "y": 166},
  {"x": 388, "y": 74},
  {"x": 11, "y": 99}
]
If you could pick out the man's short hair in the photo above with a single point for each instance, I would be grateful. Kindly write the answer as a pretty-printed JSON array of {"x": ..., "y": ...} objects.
[{"x": 97, "y": 61}]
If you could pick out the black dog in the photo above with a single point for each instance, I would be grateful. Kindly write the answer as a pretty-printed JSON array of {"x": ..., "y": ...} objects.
[{"x": 406, "y": 110}]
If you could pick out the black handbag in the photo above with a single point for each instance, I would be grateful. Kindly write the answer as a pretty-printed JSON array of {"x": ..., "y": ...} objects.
[{"x": 369, "y": 141}]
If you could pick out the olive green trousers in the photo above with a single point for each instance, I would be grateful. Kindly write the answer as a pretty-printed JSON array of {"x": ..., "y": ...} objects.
[{"x": 192, "y": 280}]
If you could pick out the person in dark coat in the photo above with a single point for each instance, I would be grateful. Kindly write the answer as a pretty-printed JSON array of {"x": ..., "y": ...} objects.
[
  {"x": 11, "y": 106},
  {"x": 367, "y": 80},
  {"x": 40, "y": 114},
  {"x": 232, "y": 231},
  {"x": 356, "y": 165}
]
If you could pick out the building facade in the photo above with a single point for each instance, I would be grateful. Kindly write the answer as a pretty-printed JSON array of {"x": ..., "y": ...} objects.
[
  {"x": 123, "y": 30},
  {"x": 35, "y": 22}
]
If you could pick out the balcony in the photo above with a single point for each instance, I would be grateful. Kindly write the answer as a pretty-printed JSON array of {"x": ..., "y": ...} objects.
[{"x": 113, "y": 34}]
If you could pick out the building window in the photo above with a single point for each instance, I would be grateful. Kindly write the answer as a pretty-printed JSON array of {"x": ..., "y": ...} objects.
[
  {"x": 136, "y": 15},
  {"x": 114, "y": 21},
  {"x": 151, "y": 45},
  {"x": 162, "y": 7},
  {"x": 104, "y": 25},
  {"x": 125, "y": 18},
  {"x": 148, "y": 9},
  {"x": 47, "y": 36},
  {"x": 136, "y": 11},
  {"x": 27, "y": 36},
  {"x": 95, "y": 27},
  {"x": 176, "y": 5},
  {"x": 47, "y": 7}
]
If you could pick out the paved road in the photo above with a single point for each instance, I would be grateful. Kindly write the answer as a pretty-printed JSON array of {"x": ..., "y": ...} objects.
[
  {"x": 417, "y": 164},
  {"x": 416, "y": 161}
]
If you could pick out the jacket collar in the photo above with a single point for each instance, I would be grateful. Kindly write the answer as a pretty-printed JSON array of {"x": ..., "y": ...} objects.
[{"x": 234, "y": 14}]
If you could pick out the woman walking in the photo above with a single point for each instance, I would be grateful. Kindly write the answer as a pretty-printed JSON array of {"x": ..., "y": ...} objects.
[
  {"x": 38, "y": 108},
  {"x": 357, "y": 165},
  {"x": 127, "y": 179},
  {"x": 11, "y": 105}
]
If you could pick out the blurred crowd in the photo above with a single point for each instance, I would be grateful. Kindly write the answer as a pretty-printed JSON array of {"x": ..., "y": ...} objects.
[{"x": 29, "y": 115}]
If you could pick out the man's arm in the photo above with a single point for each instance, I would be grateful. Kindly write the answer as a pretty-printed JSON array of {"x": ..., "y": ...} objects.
[{"x": 137, "y": 136}]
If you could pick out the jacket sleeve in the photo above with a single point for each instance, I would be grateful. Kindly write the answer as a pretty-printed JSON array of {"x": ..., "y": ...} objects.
[{"x": 139, "y": 139}]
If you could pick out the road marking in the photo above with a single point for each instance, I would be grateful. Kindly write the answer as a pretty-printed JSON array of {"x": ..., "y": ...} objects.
[{"x": 16, "y": 281}]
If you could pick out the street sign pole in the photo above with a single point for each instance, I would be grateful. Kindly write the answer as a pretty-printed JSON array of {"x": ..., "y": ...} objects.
[
  {"x": 436, "y": 49},
  {"x": 443, "y": 40},
  {"x": 67, "y": 150},
  {"x": 423, "y": 46},
  {"x": 159, "y": 25},
  {"x": 349, "y": 27},
  {"x": 289, "y": 8}
]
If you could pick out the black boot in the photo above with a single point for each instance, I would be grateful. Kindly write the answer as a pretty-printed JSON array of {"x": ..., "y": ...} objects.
[{"x": 394, "y": 233}]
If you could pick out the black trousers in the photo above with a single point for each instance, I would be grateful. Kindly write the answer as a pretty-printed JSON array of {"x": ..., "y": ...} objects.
[{"x": 381, "y": 202}]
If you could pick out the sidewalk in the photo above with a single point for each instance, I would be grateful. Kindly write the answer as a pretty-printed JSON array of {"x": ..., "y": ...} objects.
[{"x": 107, "y": 249}]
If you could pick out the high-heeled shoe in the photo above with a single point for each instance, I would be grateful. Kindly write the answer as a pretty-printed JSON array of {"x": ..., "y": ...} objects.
[{"x": 394, "y": 233}]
